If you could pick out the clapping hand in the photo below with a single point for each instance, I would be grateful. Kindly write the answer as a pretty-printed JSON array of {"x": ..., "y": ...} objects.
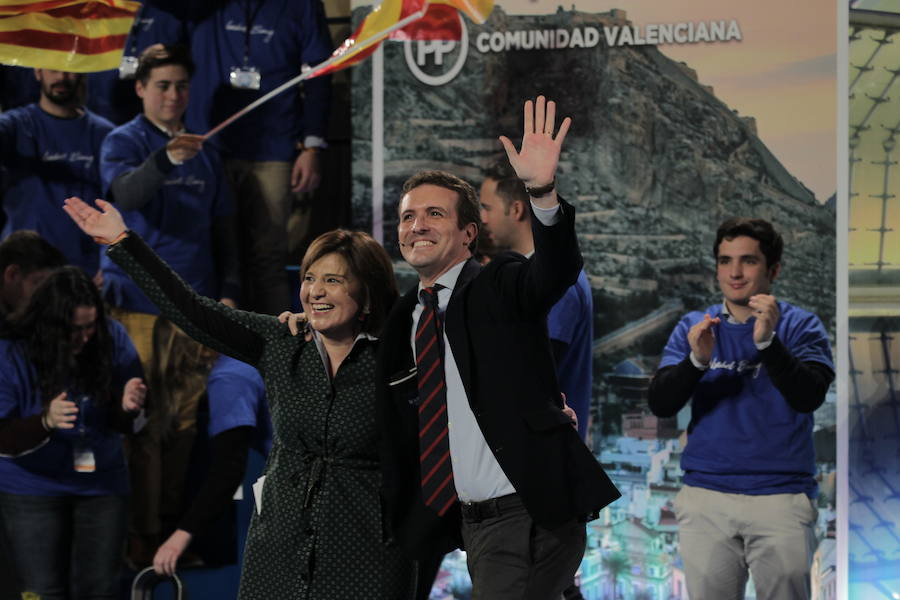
[
  {"x": 60, "y": 414},
  {"x": 765, "y": 309},
  {"x": 702, "y": 338}
]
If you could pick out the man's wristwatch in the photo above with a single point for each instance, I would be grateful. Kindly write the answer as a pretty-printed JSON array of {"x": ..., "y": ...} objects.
[
  {"x": 301, "y": 147},
  {"x": 537, "y": 192}
]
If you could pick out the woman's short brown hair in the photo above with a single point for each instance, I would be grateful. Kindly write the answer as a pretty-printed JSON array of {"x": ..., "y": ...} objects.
[{"x": 368, "y": 262}]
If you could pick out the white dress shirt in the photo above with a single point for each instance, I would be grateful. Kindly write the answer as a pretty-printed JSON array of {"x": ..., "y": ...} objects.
[{"x": 476, "y": 473}]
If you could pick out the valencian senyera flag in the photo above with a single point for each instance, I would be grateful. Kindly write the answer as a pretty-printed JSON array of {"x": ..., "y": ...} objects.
[
  {"x": 66, "y": 35},
  {"x": 406, "y": 20}
]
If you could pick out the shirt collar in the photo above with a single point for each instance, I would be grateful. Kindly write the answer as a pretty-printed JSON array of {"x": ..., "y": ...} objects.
[
  {"x": 166, "y": 132},
  {"x": 360, "y": 336},
  {"x": 729, "y": 318},
  {"x": 323, "y": 354},
  {"x": 448, "y": 280}
]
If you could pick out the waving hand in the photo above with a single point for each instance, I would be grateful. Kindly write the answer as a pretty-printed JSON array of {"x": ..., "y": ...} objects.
[{"x": 535, "y": 163}]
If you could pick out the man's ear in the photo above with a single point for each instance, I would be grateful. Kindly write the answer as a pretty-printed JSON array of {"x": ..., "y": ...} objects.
[
  {"x": 520, "y": 210},
  {"x": 471, "y": 230},
  {"x": 774, "y": 271},
  {"x": 138, "y": 88},
  {"x": 11, "y": 273}
]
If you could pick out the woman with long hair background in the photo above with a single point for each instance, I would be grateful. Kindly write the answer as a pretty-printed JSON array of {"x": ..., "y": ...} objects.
[{"x": 70, "y": 386}]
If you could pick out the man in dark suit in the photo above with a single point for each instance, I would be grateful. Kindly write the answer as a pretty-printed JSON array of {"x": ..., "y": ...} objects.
[{"x": 476, "y": 449}]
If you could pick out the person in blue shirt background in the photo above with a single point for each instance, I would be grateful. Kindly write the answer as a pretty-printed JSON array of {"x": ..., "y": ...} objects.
[
  {"x": 506, "y": 216},
  {"x": 171, "y": 190},
  {"x": 754, "y": 368},
  {"x": 111, "y": 92},
  {"x": 70, "y": 385},
  {"x": 238, "y": 420},
  {"x": 50, "y": 150},
  {"x": 244, "y": 49}
]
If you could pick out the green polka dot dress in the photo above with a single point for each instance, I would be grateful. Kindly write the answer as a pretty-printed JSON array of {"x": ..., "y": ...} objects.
[{"x": 318, "y": 534}]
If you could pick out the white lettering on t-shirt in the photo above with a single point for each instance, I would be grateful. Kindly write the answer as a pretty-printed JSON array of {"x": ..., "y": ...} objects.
[
  {"x": 738, "y": 366},
  {"x": 256, "y": 30},
  {"x": 189, "y": 181},
  {"x": 72, "y": 157}
]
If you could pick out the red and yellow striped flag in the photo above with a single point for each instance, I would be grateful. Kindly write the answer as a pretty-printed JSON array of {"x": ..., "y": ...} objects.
[
  {"x": 66, "y": 35},
  {"x": 405, "y": 20}
]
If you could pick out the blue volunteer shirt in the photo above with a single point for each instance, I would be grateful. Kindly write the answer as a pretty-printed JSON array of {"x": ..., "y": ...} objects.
[
  {"x": 743, "y": 437},
  {"x": 571, "y": 321},
  {"x": 46, "y": 160},
  {"x": 177, "y": 224},
  {"x": 284, "y": 35},
  {"x": 49, "y": 469},
  {"x": 157, "y": 22},
  {"x": 237, "y": 398}
]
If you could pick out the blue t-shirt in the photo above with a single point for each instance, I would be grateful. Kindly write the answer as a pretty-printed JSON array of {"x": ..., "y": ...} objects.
[
  {"x": 285, "y": 34},
  {"x": 744, "y": 437},
  {"x": 157, "y": 22},
  {"x": 571, "y": 321},
  {"x": 46, "y": 160},
  {"x": 177, "y": 224},
  {"x": 237, "y": 398},
  {"x": 49, "y": 470}
]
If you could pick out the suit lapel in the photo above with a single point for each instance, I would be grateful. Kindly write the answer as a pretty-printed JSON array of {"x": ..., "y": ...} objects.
[
  {"x": 455, "y": 322},
  {"x": 400, "y": 363}
]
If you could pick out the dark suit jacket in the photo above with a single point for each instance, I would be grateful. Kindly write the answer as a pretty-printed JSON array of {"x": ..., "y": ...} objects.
[{"x": 496, "y": 325}]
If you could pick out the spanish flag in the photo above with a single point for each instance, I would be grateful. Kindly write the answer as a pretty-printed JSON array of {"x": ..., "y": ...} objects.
[
  {"x": 66, "y": 35},
  {"x": 405, "y": 20}
]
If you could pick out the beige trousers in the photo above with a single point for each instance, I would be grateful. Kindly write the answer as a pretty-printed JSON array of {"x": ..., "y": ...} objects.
[{"x": 723, "y": 536}]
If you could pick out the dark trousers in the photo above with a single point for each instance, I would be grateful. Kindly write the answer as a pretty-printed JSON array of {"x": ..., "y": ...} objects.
[
  {"x": 511, "y": 557},
  {"x": 55, "y": 540}
]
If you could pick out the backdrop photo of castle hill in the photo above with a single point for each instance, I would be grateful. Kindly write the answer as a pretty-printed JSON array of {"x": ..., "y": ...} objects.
[{"x": 656, "y": 158}]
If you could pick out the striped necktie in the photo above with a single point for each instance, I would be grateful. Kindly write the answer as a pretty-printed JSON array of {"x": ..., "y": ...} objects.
[{"x": 435, "y": 467}]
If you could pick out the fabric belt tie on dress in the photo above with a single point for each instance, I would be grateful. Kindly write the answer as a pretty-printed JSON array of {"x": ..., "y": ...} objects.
[
  {"x": 475, "y": 512},
  {"x": 317, "y": 464}
]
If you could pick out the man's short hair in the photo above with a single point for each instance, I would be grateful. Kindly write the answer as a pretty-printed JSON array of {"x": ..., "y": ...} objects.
[
  {"x": 509, "y": 187},
  {"x": 30, "y": 252},
  {"x": 770, "y": 242},
  {"x": 161, "y": 55},
  {"x": 467, "y": 207}
]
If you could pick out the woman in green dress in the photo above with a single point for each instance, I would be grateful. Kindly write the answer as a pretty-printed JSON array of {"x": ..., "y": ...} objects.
[{"x": 317, "y": 529}]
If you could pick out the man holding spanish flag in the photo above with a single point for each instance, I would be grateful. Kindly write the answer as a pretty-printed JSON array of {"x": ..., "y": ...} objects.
[{"x": 243, "y": 49}]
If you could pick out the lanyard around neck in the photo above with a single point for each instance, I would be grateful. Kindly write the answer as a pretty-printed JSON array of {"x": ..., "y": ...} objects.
[
  {"x": 133, "y": 34},
  {"x": 249, "y": 18}
]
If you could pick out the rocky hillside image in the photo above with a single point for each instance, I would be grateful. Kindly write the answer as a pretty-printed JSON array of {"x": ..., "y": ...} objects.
[{"x": 653, "y": 163}]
